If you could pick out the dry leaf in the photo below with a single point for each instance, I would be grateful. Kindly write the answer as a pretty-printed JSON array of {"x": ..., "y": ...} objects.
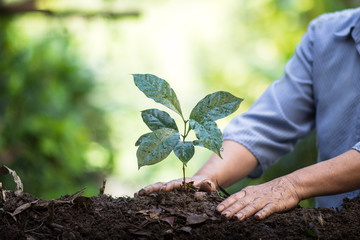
[
  {"x": 196, "y": 218},
  {"x": 139, "y": 232},
  {"x": 154, "y": 216},
  {"x": 19, "y": 186},
  {"x": 23, "y": 208},
  {"x": 186, "y": 229},
  {"x": 321, "y": 220},
  {"x": 169, "y": 220},
  {"x": 143, "y": 211}
]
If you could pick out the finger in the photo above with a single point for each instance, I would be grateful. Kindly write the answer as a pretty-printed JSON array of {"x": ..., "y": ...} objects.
[
  {"x": 236, "y": 207},
  {"x": 248, "y": 210},
  {"x": 150, "y": 189},
  {"x": 171, "y": 185},
  {"x": 177, "y": 183},
  {"x": 266, "y": 211},
  {"x": 229, "y": 201}
]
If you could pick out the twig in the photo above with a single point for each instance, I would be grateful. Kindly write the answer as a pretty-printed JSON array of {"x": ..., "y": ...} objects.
[
  {"x": 222, "y": 189},
  {"x": 102, "y": 189},
  {"x": 30, "y": 7},
  {"x": 51, "y": 211},
  {"x": 78, "y": 193},
  {"x": 34, "y": 229},
  {"x": 55, "y": 225}
]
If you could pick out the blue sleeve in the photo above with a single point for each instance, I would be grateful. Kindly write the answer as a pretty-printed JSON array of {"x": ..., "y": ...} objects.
[
  {"x": 283, "y": 114},
  {"x": 357, "y": 147}
]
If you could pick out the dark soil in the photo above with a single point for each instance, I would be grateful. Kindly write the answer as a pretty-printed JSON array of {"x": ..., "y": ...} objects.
[{"x": 173, "y": 215}]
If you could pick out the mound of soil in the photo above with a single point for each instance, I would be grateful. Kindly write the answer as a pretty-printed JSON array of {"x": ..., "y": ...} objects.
[{"x": 172, "y": 215}]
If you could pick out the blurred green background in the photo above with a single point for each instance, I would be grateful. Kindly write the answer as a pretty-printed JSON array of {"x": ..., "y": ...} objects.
[{"x": 69, "y": 111}]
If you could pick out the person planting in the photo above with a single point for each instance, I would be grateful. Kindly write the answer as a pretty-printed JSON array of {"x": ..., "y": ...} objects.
[{"x": 318, "y": 90}]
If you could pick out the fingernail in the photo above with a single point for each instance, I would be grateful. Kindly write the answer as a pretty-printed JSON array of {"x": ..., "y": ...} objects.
[
  {"x": 226, "y": 214},
  {"x": 239, "y": 216},
  {"x": 141, "y": 192},
  {"x": 162, "y": 188},
  {"x": 220, "y": 208},
  {"x": 206, "y": 186}
]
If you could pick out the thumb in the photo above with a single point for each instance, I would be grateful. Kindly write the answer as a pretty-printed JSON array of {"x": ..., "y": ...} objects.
[{"x": 207, "y": 186}]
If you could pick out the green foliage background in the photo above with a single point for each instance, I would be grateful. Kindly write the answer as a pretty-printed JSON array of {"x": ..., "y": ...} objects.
[
  {"x": 69, "y": 113},
  {"x": 47, "y": 122}
]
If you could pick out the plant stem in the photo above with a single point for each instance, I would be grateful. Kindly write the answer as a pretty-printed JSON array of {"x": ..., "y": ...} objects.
[
  {"x": 186, "y": 132},
  {"x": 184, "y": 183}
]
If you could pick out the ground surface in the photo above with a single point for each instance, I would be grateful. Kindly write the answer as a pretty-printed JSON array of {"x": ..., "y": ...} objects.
[{"x": 173, "y": 215}]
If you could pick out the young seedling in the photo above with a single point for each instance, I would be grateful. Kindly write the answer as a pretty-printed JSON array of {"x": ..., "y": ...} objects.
[{"x": 165, "y": 137}]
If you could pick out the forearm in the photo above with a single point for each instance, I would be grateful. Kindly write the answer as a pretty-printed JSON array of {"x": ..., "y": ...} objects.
[
  {"x": 236, "y": 163},
  {"x": 337, "y": 175}
]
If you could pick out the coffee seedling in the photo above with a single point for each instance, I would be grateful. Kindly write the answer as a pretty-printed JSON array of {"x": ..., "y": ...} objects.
[{"x": 165, "y": 137}]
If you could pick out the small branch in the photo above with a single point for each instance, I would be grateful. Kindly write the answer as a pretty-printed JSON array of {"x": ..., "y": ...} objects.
[
  {"x": 186, "y": 130},
  {"x": 22, "y": 7},
  {"x": 102, "y": 189},
  {"x": 77, "y": 193},
  {"x": 30, "y": 7},
  {"x": 103, "y": 14},
  {"x": 51, "y": 211}
]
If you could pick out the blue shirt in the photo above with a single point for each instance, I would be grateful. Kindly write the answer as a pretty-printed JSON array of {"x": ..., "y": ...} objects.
[{"x": 320, "y": 89}]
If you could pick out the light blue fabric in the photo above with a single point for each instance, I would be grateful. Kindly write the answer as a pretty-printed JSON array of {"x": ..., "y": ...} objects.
[{"x": 319, "y": 89}]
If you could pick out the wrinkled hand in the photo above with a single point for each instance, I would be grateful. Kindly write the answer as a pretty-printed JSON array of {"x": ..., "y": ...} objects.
[
  {"x": 262, "y": 200},
  {"x": 203, "y": 183}
]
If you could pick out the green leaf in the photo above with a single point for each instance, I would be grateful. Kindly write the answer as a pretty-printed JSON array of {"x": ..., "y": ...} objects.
[
  {"x": 159, "y": 90},
  {"x": 156, "y": 119},
  {"x": 156, "y": 146},
  {"x": 198, "y": 143},
  {"x": 215, "y": 106},
  {"x": 184, "y": 151},
  {"x": 142, "y": 138},
  {"x": 209, "y": 135}
]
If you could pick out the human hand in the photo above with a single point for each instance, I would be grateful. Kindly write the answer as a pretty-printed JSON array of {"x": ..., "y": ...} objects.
[
  {"x": 262, "y": 200},
  {"x": 204, "y": 184}
]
